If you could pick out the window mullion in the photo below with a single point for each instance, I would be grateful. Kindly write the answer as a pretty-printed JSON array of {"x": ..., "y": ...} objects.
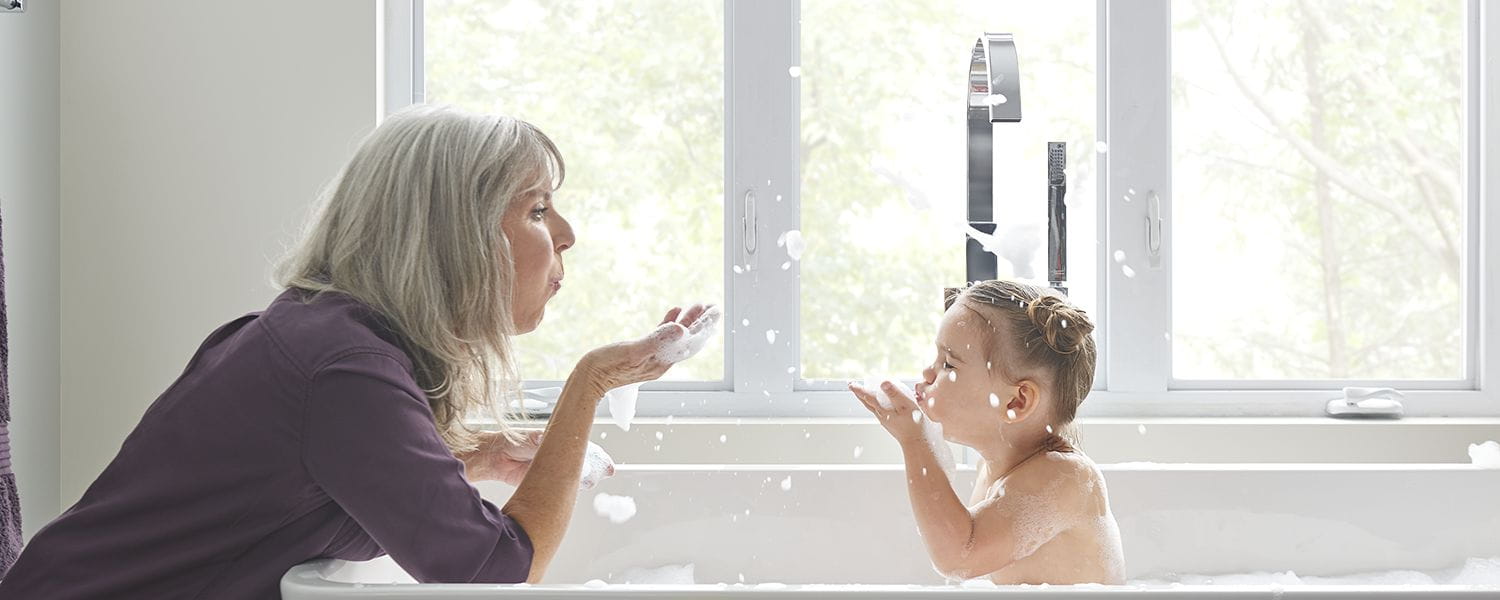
[
  {"x": 1483, "y": 221},
  {"x": 761, "y": 190},
  {"x": 399, "y": 65},
  {"x": 1137, "y": 192}
]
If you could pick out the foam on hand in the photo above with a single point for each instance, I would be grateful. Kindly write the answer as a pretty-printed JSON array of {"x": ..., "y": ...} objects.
[
  {"x": 1486, "y": 455},
  {"x": 693, "y": 337},
  {"x": 675, "y": 343},
  {"x": 873, "y": 384},
  {"x": 618, "y": 509},
  {"x": 596, "y": 466}
]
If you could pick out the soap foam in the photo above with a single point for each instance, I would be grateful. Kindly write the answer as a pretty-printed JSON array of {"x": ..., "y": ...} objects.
[
  {"x": 675, "y": 343},
  {"x": 618, "y": 509},
  {"x": 1485, "y": 455},
  {"x": 663, "y": 575}
]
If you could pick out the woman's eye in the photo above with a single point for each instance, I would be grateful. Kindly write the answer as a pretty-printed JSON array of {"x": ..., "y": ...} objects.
[{"x": 539, "y": 212}]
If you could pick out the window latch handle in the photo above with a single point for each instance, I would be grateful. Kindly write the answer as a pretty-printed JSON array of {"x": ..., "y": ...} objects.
[{"x": 1153, "y": 229}]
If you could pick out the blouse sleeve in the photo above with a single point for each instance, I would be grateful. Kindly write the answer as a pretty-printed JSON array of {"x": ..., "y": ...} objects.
[{"x": 373, "y": 448}]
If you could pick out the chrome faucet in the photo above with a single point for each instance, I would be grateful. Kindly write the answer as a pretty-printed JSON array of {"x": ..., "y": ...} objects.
[{"x": 994, "y": 96}]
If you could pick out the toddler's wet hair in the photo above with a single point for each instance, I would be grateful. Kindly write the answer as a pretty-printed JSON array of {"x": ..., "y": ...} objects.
[{"x": 1042, "y": 332}]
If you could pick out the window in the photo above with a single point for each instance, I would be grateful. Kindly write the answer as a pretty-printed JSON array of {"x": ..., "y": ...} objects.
[
  {"x": 1265, "y": 203},
  {"x": 632, "y": 93},
  {"x": 883, "y": 151},
  {"x": 1331, "y": 136}
]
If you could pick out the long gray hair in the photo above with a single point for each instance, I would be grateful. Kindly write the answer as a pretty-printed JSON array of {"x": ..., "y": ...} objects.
[{"x": 411, "y": 228}]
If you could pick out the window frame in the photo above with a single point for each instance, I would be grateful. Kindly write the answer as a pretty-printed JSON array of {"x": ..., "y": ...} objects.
[{"x": 1133, "y": 377}]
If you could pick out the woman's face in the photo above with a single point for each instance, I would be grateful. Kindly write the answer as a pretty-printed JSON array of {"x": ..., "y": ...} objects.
[{"x": 538, "y": 235}]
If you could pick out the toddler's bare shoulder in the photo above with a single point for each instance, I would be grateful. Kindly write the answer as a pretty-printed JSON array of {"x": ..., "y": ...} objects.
[{"x": 1070, "y": 480}]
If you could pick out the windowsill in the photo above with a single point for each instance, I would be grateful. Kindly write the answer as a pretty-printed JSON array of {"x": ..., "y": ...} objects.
[
  {"x": 1210, "y": 440},
  {"x": 1195, "y": 404}
]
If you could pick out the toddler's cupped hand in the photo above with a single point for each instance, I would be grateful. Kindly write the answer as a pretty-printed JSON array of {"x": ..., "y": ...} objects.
[{"x": 894, "y": 406}]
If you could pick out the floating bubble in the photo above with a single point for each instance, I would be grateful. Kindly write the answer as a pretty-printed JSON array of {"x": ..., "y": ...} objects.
[
  {"x": 1010, "y": 413},
  {"x": 1129, "y": 272},
  {"x": 723, "y": 438},
  {"x": 952, "y": 375},
  {"x": 618, "y": 509},
  {"x": 997, "y": 99},
  {"x": 794, "y": 244},
  {"x": 1119, "y": 256},
  {"x": 1141, "y": 429},
  {"x": 786, "y": 484},
  {"x": 794, "y": 71},
  {"x": 770, "y": 336},
  {"x": 1101, "y": 147},
  {"x": 994, "y": 401},
  {"x": 858, "y": 450}
]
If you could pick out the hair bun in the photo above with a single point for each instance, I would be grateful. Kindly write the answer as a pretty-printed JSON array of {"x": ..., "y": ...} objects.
[{"x": 1061, "y": 325}]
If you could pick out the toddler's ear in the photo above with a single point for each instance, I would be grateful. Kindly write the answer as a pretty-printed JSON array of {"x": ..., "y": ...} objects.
[{"x": 1025, "y": 401}]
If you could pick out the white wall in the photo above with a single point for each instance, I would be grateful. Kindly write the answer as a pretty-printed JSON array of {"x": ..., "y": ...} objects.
[
  {"x": 194, "y": 136},
  {"x": 29, "y": 205}
]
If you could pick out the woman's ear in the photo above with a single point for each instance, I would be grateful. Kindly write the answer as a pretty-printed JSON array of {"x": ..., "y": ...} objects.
[{"x": 1023, "y": 402}]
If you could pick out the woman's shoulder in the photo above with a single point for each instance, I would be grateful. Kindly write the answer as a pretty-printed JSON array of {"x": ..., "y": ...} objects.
[{"x": 316, "y": 330}]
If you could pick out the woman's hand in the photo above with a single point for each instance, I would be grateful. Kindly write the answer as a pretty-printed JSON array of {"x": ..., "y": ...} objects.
[
  {"x": 499, "y": 459},
  {"x": 900, "y": 415},
  {"x": 646, "y": 358}
]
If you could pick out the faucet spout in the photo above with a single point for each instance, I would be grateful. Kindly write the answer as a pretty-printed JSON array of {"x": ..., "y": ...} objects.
[{"x": 994, "y": 96}]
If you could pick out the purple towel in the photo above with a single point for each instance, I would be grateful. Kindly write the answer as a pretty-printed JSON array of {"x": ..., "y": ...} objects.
[{"x": 10, "y": 504}]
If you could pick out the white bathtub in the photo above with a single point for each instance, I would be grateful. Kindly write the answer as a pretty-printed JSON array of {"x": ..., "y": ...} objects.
[{"x": 848, "y": 530}]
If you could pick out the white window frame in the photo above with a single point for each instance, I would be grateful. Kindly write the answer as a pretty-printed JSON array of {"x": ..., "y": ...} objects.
[{"x": 1134, "y": 376}]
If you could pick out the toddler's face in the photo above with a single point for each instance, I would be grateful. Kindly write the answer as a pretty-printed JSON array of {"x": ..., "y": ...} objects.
[{"x": 956, "y": 389}]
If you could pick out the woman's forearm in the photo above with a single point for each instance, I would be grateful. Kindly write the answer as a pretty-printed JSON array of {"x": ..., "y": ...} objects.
[
  {"x": 945, "y": 523},
  {"x": 543, "y": 502}
]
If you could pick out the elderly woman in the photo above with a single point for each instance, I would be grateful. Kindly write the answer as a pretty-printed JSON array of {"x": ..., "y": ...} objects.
[{"x": 331, "y": 424}]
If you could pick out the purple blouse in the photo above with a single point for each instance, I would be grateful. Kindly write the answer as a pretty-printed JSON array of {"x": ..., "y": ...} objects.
[{"x": 295, "y": 433}]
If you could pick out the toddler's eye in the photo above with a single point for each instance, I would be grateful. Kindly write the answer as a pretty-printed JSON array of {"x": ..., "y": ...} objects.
[{"x": 946, "y": 365}]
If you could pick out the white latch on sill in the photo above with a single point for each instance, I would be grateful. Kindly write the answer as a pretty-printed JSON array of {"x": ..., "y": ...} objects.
[{"x": 1367, "y": 402}]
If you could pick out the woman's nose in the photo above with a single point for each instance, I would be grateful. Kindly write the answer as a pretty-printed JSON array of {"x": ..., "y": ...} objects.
[{"x": 563, "y": 234}]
